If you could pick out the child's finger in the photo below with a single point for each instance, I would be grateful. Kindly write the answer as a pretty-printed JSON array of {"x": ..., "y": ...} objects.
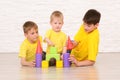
[
  {"x": 71, "y": 55},
  {"x": 33, "y": 61}
]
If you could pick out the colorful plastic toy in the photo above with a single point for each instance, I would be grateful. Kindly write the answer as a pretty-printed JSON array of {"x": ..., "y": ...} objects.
[
  {"x": 45, "y": 64},
  {"x": 66, "y": 62},
  {"x": 38, "y": 58},
  {"x": 69, "y": 44},
  {"x": 59, "y": 64},
  {"x": 53, "y": 54}
]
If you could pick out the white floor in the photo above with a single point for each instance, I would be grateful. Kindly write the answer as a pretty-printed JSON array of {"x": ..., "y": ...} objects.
[{"x": 107, "y": 67}]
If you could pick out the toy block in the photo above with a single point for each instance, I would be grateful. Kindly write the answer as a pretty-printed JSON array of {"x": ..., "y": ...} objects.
[
  {"x": 39, "y": 48},
  {"x": 69, "y": 44},
  {"x": 38, "y": 58},
  {"x": 56, "y": 56},
  {"x": 59, "y": 64},
  {"x": 45, "y": 64},
  {"x": 66, "y": 62},
  {"x": 53, "y": 50}
]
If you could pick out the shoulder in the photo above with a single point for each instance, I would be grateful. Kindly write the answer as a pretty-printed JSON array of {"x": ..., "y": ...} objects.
[
  {"x": 49, "y": 30},
  {"x": 63, "y": 34},
  {"x": 81, "y": 29},
  {"x": 40, "y": 38},
  {"x": 93, "y": 36},
  {"x": 24, "y": 43},
  {"x": 94, "y": 33}
]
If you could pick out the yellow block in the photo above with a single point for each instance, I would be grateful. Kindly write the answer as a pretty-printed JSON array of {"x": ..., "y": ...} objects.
[
  {"x": 59, "y": 64},
  {"x": 44, "y": 64}
]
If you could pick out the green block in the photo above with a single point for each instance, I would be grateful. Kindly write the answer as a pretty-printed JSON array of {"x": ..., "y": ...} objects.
[
  {"x": 53, "y": 50},
  {"x": 56, "y": 56}
]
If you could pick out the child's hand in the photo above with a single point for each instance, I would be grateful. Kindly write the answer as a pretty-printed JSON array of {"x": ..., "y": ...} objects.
[
  {"x": 51, "y": 43},
  {"x": 61, "y": 57},
  {"x": 31, "y": 64},
  {"x": 72, "y": 59}
]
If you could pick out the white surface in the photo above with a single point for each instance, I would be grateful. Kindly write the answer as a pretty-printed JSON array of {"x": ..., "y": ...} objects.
[
  {"x": 13, "y": 13},
  {"x": 107, "y": 67}
]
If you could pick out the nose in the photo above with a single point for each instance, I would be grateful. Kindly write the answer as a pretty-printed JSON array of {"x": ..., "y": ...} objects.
[
  {"x": 85, "y": 27},
  {"x": 36, "y": 34},
  {"x": 57, "y": 25}
]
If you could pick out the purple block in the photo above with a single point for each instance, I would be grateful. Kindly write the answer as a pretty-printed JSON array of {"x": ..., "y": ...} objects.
[
  {"x": 65, "y": 60},
  {"x": 38, "y": 60}
]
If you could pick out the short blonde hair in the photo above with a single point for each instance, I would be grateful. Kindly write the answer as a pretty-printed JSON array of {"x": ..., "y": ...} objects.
[
  {"x": 29, "y": 25},
  {"x": 57, "y": 14}
]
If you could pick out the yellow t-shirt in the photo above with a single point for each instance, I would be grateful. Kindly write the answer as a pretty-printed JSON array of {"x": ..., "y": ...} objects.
[
  {"x": 28, "y": 50},
  {"x": 87, "y": 48},
  {"x": 58, "y": 38}
]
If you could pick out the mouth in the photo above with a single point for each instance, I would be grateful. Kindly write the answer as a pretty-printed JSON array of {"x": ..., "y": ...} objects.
[
  {"x": 86, "y": 30},
  {"x": 36, "y": 38}
]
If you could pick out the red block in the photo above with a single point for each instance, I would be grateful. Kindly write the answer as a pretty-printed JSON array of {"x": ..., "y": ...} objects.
[
  {"x": 69, "y": 44},
  {"x": 39, "y": 48}
]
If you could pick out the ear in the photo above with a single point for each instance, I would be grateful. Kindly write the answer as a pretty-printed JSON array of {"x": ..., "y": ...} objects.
[
  {"x": 96, "y": 25},
  {"x": 25, "y": 34},
  {"x": 63, "y": 23},
  {"x": 50, "y": 23}
]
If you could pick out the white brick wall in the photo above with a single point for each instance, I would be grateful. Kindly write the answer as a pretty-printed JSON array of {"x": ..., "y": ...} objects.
[{"x": 13, "y": 13}]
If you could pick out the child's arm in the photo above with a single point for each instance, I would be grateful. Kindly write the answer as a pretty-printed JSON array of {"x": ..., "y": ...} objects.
[
  {"x": 64, "y": 50},
  {"x": 26, "y": 63},
  {"x": 81, "y": 63},
  {"x": 74, "y": 44},
  {"x": 49, "y": 42}
]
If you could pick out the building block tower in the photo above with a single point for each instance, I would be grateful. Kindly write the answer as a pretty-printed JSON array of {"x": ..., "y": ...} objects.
[
  {"x": 53, "y": 54},
  {"x": 38, "y": 58},
  {"x": 66, "y": 62}
]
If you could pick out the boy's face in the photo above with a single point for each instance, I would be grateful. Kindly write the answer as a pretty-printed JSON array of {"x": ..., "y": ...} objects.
[
  {"x": 56, "y": 24},
  {"x": 90, "y": 27},
  {"x": 32, "y": 35}
]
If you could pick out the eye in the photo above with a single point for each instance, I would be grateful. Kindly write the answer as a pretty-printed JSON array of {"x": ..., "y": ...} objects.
[
  {"x": 60, "y": 23},
  {"x": 36, "y": 31},
  {"x": 55, "y": 23},
  {"x": 88, "y": 25},
  {"x": 32, "y": 33}
]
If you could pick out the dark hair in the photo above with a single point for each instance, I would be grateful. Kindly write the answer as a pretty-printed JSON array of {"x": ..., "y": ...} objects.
[
  {"x": 52, "y": 62},
  {"x": 92, "y": 16},
  {"x": 28, "y": 25}
]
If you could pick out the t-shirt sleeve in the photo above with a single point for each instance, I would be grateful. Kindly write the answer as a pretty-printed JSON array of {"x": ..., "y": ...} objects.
[
  {"x": 40, "y": 38},
  {"x": 92, "y": 48},
  {"x": 47, "y": 34}
]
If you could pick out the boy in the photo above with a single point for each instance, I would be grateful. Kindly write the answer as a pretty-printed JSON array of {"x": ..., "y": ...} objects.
[
  {"x": 86, "y": 40},
  {"x": 55, "y": 37},
  {"x": 29, "y": 45}
]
